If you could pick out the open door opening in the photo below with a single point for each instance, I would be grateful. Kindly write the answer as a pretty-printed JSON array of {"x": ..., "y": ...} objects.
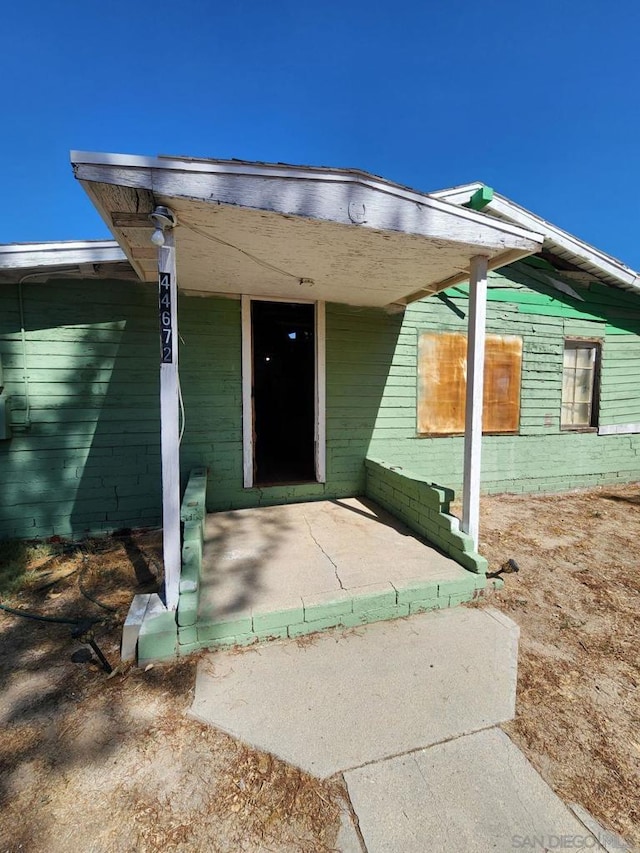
[{"x": 283, "y": 341}]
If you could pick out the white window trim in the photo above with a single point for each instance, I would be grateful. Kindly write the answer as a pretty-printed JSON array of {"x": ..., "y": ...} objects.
[{"x": 320, "y": 379}]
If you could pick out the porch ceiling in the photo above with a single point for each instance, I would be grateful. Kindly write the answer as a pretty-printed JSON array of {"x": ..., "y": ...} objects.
[{"x": 294, "y": 232}]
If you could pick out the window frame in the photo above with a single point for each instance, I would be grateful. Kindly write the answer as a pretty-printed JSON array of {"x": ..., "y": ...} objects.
[{"x": 594, "y": 420}]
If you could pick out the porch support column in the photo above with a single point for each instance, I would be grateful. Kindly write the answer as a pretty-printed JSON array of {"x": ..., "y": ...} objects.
[
  {"x": 475, "y": 384},
  {"x": 169, "y": 418}
]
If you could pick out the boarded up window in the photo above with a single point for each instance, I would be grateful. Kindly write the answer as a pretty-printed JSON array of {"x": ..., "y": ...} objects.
[
  {"x": 502, "y": 379},
  {"x": 442, "y": 380}
]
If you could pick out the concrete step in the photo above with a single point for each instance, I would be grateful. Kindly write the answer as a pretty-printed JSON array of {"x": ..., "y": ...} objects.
[{"x": 286, "y": 616}]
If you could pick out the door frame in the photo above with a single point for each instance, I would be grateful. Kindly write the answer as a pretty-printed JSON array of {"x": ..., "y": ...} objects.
[{"x": 320, "y": 436}]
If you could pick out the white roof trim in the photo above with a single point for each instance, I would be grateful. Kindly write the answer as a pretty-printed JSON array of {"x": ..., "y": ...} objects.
[
  {"x": 61, "y": 254},
  {"x": 134, "y": 167},
  {"x": 577, "y": 251}
]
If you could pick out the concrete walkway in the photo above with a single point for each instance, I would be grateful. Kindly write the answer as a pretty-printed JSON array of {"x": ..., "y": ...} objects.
[
  {"x": 345, "y": 699},
  {"x": 406, "y": 712},
  {"x": 475, "y": 793}
]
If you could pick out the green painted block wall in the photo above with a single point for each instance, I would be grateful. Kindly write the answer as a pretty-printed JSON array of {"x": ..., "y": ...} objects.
[
  {"x": 424, "y": 509},
  {"x": 90, "y": 460}
]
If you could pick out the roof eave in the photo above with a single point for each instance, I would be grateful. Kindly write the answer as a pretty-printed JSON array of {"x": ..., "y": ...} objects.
[
  {"x": 609, "y": 268},
  {"x": 145, "y": 173},
  {"x": 59, "y": 254}
]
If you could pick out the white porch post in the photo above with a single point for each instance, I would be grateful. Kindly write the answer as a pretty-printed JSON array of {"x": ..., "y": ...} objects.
[
  {"x": 475, "y": 383},
  {"x": 169, "y": 417}
]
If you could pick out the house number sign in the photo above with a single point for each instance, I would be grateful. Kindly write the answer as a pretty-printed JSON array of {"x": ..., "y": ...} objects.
[{"x": 166, "y": 325}]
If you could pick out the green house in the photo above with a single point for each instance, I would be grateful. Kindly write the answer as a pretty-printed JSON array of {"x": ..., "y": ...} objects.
[{"x": 295, "y": 334}]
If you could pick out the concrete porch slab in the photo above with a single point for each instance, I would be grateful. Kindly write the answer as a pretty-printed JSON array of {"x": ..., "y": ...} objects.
[
  {"x": 346, "y": 698},
  {"x": 299, "y": 568},
  {"x": 476, "y": 793}
]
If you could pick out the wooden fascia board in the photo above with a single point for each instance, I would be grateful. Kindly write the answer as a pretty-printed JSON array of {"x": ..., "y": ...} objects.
[
  {"x": 361, "y": 203},
  {"x": 44, "y": 255},
  {"x": 56, "y": 246},
  {"x": 238, "y": 167},
  {"x": 357, "y": 205}
]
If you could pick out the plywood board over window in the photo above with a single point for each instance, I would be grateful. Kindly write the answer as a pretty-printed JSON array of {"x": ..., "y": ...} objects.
[{"x": 442, "y": 379}]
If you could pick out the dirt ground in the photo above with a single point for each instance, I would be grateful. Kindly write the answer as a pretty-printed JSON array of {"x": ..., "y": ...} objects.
[
  {"x": 102, "y": 763},
  {"x": 577, "y": 601},
  {"x": 96, "y": 763}
]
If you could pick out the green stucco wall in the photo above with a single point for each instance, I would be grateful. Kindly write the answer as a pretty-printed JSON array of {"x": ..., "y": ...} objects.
[{"x": 90, "y": 459}]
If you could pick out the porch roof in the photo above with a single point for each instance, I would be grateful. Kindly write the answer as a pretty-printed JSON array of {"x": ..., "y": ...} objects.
[
  {"x": 294, "y": 232},
  {"x": 72, "y": 258}
]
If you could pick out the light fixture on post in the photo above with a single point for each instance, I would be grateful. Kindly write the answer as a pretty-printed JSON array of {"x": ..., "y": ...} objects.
[
  {"x": 157, "y": 238},
  {"x": 162, "y": 217}
]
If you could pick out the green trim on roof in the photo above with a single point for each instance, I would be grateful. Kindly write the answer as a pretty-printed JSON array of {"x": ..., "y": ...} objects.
[{"x": 480, "y": 198}]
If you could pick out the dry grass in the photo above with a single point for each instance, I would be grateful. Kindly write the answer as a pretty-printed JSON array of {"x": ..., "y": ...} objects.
[
  {"x": 112, "y": 763},
  {"x": 577, "y": 600},
  {"x": 21, "y": 561}
]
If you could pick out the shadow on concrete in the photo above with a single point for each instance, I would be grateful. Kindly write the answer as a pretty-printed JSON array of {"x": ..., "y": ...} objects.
[{"x": 244, "y": 579}]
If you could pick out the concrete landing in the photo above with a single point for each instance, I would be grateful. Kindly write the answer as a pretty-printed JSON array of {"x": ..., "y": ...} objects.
[
  {"x": 346, "y": 698},
  {"x": 477, "y": 793},
  {"x": 299, "y": 568}
]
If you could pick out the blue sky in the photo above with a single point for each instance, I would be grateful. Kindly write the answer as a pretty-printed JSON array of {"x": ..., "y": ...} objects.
[{"x": 540, "y": 101}]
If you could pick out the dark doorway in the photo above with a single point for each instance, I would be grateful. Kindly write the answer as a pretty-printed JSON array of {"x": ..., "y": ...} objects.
[{"x": 284, "y": 347}]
